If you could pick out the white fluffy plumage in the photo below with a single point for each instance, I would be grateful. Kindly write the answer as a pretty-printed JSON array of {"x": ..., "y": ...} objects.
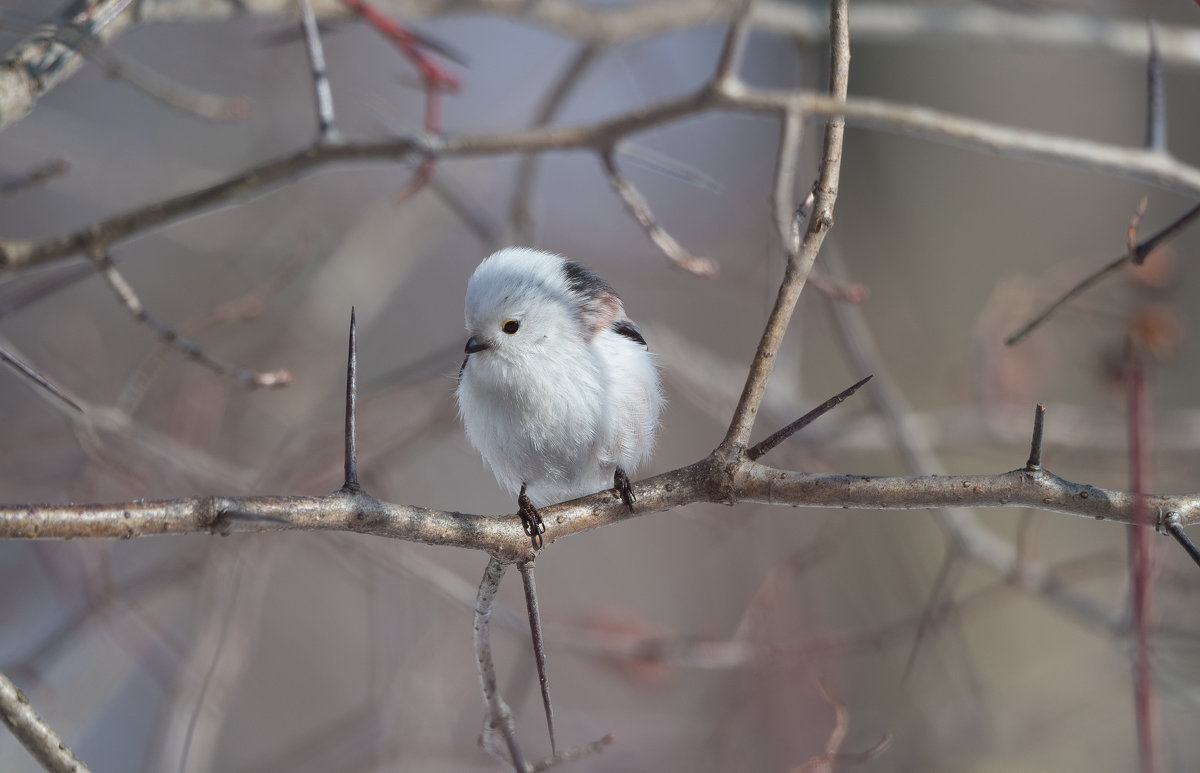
[{"x": 558, "y": 389}]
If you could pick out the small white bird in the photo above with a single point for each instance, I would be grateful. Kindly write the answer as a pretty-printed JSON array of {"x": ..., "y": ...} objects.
[{"x": 558, "y": 390}]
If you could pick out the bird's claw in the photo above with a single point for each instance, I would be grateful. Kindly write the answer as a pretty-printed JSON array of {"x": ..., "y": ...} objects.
[
  {"x": 623, "y": 488},
  {"x": 531, "y": 519}
]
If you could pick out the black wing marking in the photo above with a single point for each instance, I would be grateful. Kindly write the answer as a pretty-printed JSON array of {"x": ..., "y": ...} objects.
[
  {"x": 585, "y": 282},
  {"x": 624, "y": 327}
]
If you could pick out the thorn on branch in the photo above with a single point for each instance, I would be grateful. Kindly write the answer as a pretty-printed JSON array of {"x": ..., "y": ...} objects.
[
  {"x": 1035, "y": 446},
  {"x": 1174, "y": 527},
  {"x": 637, "y": 206},
  {"x": 130, "y": 300},
  {"x": 350, "y": 486},
  {"x": 767, "y": 445}
]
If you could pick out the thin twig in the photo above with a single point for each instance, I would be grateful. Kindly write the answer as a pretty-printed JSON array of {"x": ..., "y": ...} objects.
[
  {"x": 520, "y": 218},
  {"x": 323, "y": 95},
  {"x": 734, "y": 46},
  {"x": 1137, "y": 256},
  {"x": 38, "y": 738},
  {"x": 574, "y": 753},
  {"x": 34, "y": 176},
  {"x": 130, "y": 300},
  {"x": 820, "y": 221},
  {"x": 637, "y": 206},
  {"x": 783, "y": 191},
  {"x": 499, "y": 719},
  {"x": 1156, "y": 94},
  {"x": 171, "y": 93},
  {"x": 35, "y": 378},
  {"x": 1141, "y": 566},
  {"x": 539, "y": 647}
]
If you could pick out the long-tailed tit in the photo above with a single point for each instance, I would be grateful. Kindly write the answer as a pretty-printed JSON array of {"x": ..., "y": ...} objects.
[{"x": 558, "y": 390}]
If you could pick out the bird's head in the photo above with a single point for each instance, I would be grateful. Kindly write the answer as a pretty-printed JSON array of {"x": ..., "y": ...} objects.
[{"x": 524, "y": 303}]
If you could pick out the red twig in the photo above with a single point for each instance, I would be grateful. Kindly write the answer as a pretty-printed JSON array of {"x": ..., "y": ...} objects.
[
  {"x": 435, "y": 78},
  {"x": 1141, "y": 565}
]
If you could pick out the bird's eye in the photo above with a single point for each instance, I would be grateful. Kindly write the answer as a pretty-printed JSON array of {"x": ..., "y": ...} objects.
[{"x": 510, "y": 326}]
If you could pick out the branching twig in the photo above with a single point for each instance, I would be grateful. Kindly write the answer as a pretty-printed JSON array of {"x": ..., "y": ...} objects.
[
  {"x": 800, "y": 261},
  {"x": 762, "y": 448},
  {"x": 38, "y": 738},
  {"x": 1137, "y": 255}
]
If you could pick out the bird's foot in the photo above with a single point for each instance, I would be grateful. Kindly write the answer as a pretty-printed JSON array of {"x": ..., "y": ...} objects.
[
  {"x": 623, "y": 488},
  {"x": 531, "y": 519}
]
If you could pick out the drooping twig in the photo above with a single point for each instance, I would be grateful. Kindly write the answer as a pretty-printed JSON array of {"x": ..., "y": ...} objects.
[
  {"x": 171, "y": 93},
  {"x": 1136, "y": 256},
  {"x": 783, "y": 191},
  {"x": 326, "y": 122},
  {"x": 130, "y": 300},
  {"x": 499, "y": 719},
  {"x": 35, "y": 378},
  {"x": 539, "y": 647},
  {"x": 350, "y": 485},
  {"x": 775, "y": 439},
  {"x": 637, "y": 206},
  {"x": 38, "y": 738},
  {"x": 820, "y": 221}
]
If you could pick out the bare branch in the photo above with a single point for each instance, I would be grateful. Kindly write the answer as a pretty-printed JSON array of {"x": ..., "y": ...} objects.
[
  {"x": 171, "y": 93},
  {"x": 129, "y": 299},
  {"x": 1156, "y": 94},
  {"x": 35, "y": 176},
  {"x": 35, "y": 378},
  {"x": 801, "y": 261},
  {"x": 1127, "y": 163},
  {"x": 1137, "y": 255},
  {"x": 38, "y": 738},
  {"x": 637, "y": 206},
  {"x": 326, "y": 123},
  {"x": 54, "y": 52},
  {"x": 735, "y": 44},
  {"x": 499, "y": 719}
]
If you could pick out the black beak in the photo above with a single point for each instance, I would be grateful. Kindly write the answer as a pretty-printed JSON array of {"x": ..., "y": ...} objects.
[{"x": 475, "y": 345}]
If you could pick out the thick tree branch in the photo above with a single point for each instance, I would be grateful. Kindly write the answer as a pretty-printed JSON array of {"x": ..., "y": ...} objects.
[{"x": 712, "y": 479}]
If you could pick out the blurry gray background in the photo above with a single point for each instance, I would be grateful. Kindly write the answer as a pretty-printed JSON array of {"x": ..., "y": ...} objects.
[{"x": 315, "y": 652}]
